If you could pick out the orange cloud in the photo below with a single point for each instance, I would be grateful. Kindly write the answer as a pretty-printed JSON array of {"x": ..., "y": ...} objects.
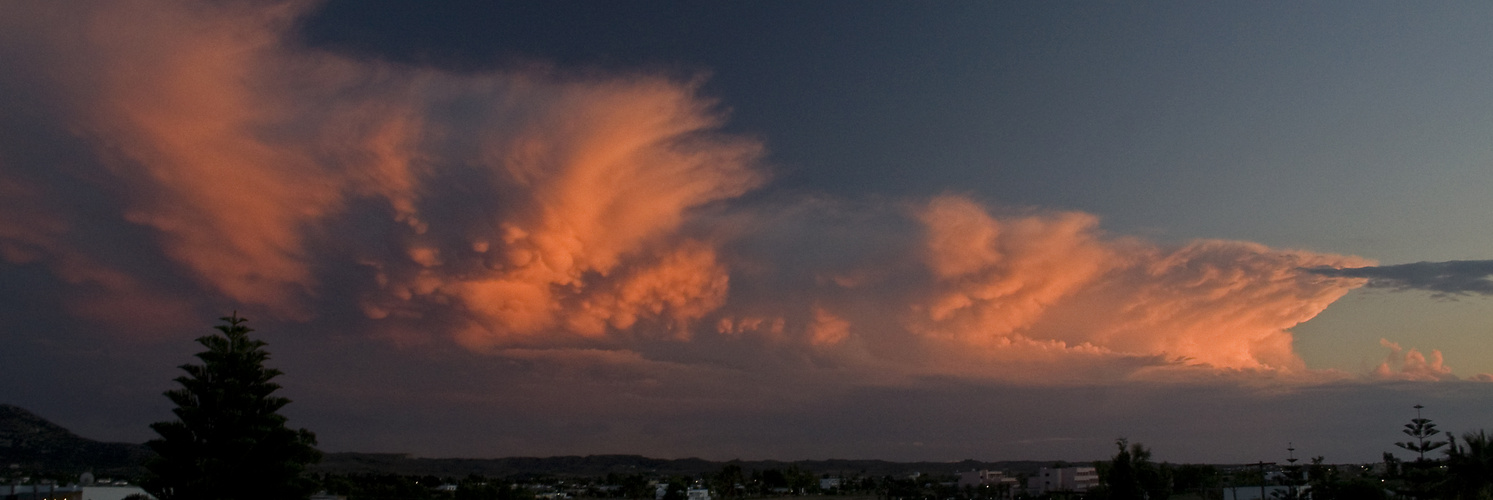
[
  {"x": 524, "y": 202},
  {"x": 827, "y": 329},
  {"x": 1220, "y": 303},
  {"x": 33, "y": 231},
  {"x": 580, "y": 233},
  {"x": 1055, "y": 279},
  {"x": 738, "y": 326},
  {"x": 679, "y": 287},
  {"x": 996, "y": 277},
  {"x": 526, "y": 209},
  {"x": 1402, "y": 364},
  {"x": 173, "y": 89}
]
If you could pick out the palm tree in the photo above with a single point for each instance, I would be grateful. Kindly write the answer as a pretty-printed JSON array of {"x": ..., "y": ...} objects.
[{"x": 1469, "y": 467}]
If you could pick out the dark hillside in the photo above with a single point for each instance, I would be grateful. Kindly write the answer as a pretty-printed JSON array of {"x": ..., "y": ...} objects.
[{"x": 34, "y": 444}]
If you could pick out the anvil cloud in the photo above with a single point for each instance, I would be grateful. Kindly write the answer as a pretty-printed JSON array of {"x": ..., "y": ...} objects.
[
  {"x": 1458, "y": 277},
  {"x": 529, "y": 208}
]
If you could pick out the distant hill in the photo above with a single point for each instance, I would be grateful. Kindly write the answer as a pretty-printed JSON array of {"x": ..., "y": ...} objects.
[
  {"x": 601, "y": 465},
  {"x": 35, "y": 444}
]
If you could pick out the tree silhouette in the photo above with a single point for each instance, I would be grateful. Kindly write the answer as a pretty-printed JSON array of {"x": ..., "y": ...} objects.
[
  {"x": 1419, "y": 479},
  {"x": 1122, "y": 481},
  {"x": 229, "y": 441},
  {"x": 1291, "y": 474},
  {"x": 1131, "y": 475},
  {"x": 1469, "y": 467},
  {"x": 1327, "y": 483},
  {"x": 726, "y": 479},
  {"x": 1421, "y": 429}
]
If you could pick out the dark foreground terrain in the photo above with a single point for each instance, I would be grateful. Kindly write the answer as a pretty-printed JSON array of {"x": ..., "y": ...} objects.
[{"x": 31, "y": 443}]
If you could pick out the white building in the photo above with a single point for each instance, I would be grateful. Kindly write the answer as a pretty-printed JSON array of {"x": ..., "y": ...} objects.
[
  {"x": 1050, "y": 480},
  {"x": 692, "y": 493},
  {"x": 1253, "y": 492},
  {"x": 984, "y": 478}
]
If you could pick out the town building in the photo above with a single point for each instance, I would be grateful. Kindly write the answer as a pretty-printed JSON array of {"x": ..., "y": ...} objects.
[
  {"x": 982, "y": 478},
  {"x": 995, "y": 483},
  {"x": 1074, "y": 479},
  {"x": 69, "y": 492}
]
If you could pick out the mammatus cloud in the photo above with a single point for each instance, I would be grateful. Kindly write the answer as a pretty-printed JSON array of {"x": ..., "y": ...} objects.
[
  {"x": 522, "y": 203},
  {"x": 531, "y": 214},
  {"x": 1457, "y": 277},
  {"x": 574, "y": 223}
]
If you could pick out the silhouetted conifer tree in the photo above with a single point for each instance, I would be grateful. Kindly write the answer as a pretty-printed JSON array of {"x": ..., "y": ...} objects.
[
  {"x": 1422, "y": 430},
  {"x": 229, "y": 441},
  {"x": 1419, "y": 479}
]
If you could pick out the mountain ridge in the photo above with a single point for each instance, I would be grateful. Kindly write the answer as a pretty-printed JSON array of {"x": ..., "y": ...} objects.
[{"x": 601, "y": 465}]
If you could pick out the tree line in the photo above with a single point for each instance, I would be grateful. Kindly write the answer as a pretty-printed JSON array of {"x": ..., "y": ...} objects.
[
  {"x": 229, "y": 442},
  {"x": 1465, "y": 472}
]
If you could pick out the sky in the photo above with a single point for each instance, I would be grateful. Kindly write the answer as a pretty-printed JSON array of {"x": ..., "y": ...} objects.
[{"x": 759, "y": 230}]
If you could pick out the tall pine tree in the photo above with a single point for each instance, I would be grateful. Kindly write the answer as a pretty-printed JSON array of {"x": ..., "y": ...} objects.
[{"x": 229, "y": 441}]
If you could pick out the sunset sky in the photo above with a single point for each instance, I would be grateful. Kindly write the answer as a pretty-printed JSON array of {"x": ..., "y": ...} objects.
[{"x": 759, "y": 230}]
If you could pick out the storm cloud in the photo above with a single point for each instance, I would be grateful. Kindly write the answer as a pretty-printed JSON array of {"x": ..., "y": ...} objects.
[
  {"x": 529, "y": 208},
  {"x": 551, "y": 245}
]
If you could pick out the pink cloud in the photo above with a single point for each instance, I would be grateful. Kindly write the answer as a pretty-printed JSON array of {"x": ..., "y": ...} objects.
[
  {"x": 1055, "y": 278},
  {"x": 1411, "y": 364},
  {"x": 552, "y": 204},
  {"x": 531, "y": 209},
  {"x": 827, "y": 329},
  {"x": 993, "y": 277}
]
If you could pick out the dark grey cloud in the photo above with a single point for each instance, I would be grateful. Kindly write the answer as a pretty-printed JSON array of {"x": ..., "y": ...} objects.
[{"x": 1456, "y": 277}]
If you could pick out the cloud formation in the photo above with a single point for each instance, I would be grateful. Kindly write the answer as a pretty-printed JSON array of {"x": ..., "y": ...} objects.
[
  {"x": 521, "y": 203},
  {"x": 1056, "y": 279},
  {"x": 1411, "y": 364},
  {"x": 1457, "y": 277},
  {"x": 952, "y": 287},
  {"x": 528, "y": 213}
]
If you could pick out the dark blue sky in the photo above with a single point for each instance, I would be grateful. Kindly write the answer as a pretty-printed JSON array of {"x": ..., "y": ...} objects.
[{"x": 1197, "y": 120}]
